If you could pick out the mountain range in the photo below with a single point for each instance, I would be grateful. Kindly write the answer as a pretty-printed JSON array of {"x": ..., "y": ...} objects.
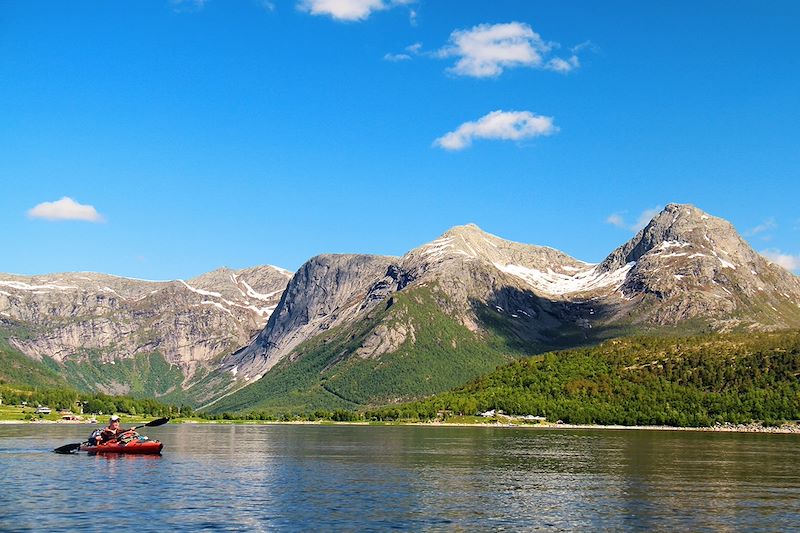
[
  {"x": 127, "y": 336},
  {"x": 355, "y": 330}
]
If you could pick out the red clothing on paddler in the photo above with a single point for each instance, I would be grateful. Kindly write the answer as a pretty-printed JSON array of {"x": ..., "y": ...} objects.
[{"x": 111, "y": 433}]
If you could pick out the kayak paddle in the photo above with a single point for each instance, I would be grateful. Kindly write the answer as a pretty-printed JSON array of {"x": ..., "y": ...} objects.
[
  {"x": 69, "y": 448},
  {"x": 152, "y": 423}
]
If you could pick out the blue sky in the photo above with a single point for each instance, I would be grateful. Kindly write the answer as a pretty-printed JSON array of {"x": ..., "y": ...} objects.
[{"x": 196, "y": 134}]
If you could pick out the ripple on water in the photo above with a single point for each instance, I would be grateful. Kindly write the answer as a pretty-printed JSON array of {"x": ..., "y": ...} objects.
[{"x": 241, "y": 478}]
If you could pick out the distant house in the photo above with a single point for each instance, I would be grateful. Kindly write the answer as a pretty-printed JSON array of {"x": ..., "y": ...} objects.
[
  {"x": 488, "y": 414},
  {"x": 43, "y": 410}
]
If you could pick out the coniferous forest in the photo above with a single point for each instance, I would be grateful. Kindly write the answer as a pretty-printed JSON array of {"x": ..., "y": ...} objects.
[{"x": 690, "y": 381}]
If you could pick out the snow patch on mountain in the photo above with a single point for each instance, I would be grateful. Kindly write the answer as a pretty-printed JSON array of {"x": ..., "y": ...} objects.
[
  {"x": 287, "y": 273},
  {"x": 201, "y": 291},
  {"x": 671, "y": 244},
  {"x": 258, "y": 295},
  {"x": 561, "y": 284},
  {"x": 438, "y": 247},
  {"x": 22, "y": 286}
]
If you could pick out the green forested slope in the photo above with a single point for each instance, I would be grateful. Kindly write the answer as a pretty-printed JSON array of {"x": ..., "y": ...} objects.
[
  {"x": 324, "y": 374},
  {"x": 141, "y": 376},
  {"x": 690, "y": 381},
  {"x": 17, "y": 368}
]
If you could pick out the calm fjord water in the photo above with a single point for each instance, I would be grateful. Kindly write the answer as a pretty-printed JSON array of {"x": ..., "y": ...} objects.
[{"x": 355, "y": 478}]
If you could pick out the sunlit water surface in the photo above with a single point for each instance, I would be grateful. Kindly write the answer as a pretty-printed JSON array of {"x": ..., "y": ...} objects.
[{"x": 357, "y": 478}]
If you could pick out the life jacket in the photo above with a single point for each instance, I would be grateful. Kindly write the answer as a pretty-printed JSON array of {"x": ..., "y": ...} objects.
[
  {"x": 93, "y": 437},
  {"x": 129, "y": 436}
]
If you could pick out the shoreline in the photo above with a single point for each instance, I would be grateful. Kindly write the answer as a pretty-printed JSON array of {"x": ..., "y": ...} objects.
[{"x": 786, "y": 429}]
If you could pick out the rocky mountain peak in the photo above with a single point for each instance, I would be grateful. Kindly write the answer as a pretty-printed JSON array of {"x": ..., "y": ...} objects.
[
  {"x": 327, "y": 290},
  {"x": 240, "y": 285},
  {"x": 697, "y": 265},
  {"x": 470, "y": 243},
  {"x": 686, "y": 223},
  {"x": 687, "y": 227},
  {"x": 466, "y": 229}
]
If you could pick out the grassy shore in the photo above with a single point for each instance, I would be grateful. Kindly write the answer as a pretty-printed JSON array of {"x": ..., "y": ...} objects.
[{"x": 18, "y": 415}]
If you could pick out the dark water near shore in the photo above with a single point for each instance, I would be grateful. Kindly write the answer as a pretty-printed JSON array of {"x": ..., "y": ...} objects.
[{"x": 245, "y": 478}]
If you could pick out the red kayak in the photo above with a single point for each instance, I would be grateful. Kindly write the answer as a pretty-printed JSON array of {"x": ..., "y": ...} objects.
[
  {"x": 127, "y": 442},
  {"x": 136, "y": 445}
]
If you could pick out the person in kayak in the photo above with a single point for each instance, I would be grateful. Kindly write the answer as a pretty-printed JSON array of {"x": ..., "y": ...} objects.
[{"x": 112, "y": 432}]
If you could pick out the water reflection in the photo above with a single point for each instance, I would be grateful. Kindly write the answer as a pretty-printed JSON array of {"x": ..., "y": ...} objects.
[{"x": 357, "y": 478}]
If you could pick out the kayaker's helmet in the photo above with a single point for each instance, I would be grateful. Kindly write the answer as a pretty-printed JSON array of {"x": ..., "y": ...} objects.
[{"x": 114, "y": 418}]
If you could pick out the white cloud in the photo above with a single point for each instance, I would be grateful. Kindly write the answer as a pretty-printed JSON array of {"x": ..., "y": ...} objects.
[
  {"x": 350, "y": 9},
  {"x": 410, "y": 50},
  {"x": 486, "y": 50},
  {"x": 504, "y": 125},
  {"x": 187, "y": 6},
  {"x": 563, "y": 65},
  {"x": 65, "y": 209},
  {"x": 645, "y": 217},
  {"x": 584, "y": 46},
  {"x": 787, "y": 261},
  {"x": 396, "y": 57},
  {"x": 767, "y": 225},
  {"x": 414, "y": 48},
  {"x": 343, "y": 9},
  {"x": 616, "y": 219}
]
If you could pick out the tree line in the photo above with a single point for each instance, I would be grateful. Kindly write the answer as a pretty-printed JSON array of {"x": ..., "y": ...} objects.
[
  {"x": 97, "y": 403},
  {"x": 687, "y": 381}
]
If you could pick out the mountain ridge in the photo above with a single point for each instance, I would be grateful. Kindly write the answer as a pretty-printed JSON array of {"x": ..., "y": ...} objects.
[
  {"x": 85, "y": 323},
  {"x": 669, "y": 275},
  {"x": 361, "y": 325}
]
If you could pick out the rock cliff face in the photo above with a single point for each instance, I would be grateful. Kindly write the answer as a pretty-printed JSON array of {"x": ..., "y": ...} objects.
[
  {"x": 327, "y": 290},
  {"x": 684, "y": 268},
  {"x": 88, "y": 317},
  {"x": 331, "y": 290}
]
